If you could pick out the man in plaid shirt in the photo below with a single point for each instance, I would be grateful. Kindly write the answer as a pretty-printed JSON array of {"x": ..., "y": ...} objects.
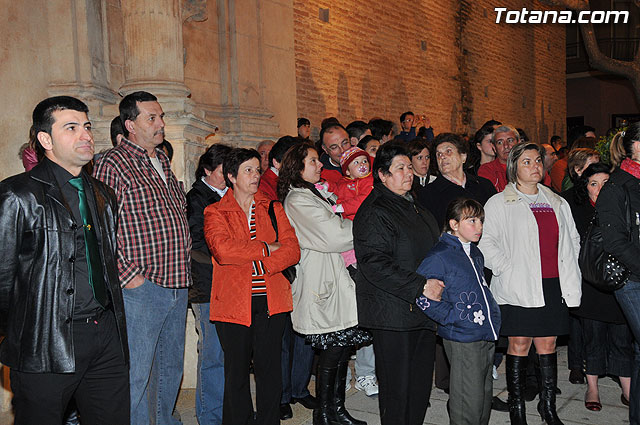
[{"x": 154, "y": 247}]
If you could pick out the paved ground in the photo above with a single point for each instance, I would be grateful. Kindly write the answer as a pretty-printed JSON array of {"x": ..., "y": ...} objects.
[{"x": 570, "y": 405}]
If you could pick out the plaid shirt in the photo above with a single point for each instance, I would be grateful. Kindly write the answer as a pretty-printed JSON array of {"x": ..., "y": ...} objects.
[{"x": 153, "y": 231}]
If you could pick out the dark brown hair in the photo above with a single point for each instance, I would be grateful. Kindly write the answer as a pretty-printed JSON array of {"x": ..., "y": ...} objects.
[
  {"x": 462, "y": 208},
  {"x": 291, "y": 169}
]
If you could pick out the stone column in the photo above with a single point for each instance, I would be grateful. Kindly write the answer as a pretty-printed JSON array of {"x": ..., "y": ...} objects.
[{"x": 154, "y": 59}]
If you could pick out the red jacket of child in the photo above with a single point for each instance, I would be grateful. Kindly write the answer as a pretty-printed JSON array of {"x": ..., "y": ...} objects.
[{"x": 351, "y": 193}]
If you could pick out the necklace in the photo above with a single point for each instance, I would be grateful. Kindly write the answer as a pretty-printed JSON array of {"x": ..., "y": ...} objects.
[{"x": 530, "y": 199}]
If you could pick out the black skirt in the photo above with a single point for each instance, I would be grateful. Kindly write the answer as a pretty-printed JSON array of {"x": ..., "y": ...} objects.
[{"x": 550, "y": 320}]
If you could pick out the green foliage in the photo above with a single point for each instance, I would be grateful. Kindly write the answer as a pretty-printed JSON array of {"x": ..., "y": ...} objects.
[{"x": 603, "y": 145}]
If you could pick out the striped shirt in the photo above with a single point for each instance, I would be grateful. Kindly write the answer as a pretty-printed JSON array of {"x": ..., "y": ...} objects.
[
  {"x": 258, "y": 285},
  {"x": 153, "y": 231}
]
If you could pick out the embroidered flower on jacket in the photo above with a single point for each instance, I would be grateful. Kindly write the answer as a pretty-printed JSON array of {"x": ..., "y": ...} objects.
[
  {"x": 468, "y": 305},
  {"x": 478, "y": 317},
  {"x": 423, "y": 302}
]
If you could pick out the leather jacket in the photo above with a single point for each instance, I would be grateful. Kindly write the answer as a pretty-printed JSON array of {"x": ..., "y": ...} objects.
[{"x": 37, "y": 270}]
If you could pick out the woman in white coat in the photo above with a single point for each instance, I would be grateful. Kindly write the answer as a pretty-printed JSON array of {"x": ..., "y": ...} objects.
[
  {"x": 324, "y": 298},
  {"x": 531, "y": 245}
]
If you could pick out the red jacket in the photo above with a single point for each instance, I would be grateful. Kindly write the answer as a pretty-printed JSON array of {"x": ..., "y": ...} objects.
[
  {"x": 495, "y": 172},
  {"x": 226, "y": 231},
  {"x": 269, "y": 184},
  {"x": 330, "y": 176},
  {"x": 351, "y": 193}
]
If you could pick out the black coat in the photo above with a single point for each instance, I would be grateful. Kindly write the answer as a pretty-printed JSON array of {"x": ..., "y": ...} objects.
[
  {"x": 594, "y": 304},
  {"x": 611, "y": 213},
  {"x": 199, "y": 197},
  {"x": 391, "y": 237},
  {"x": 437, "y": 196},
  {"x": 37, "y": 235}
]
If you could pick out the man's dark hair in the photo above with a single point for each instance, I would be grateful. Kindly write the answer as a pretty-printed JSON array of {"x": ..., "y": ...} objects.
[
  {"x": 491, "y": 123},
  {"x": 404, "y": 115},
  {"x": 303, "y": 121},
  {"x": 362, "y": 144},
  {"x": 380, "y": 128},
  {"x": 384, "y": 158},
  {"x": 212, "y": 158},
  {"x": 42, "y": 117},
  {"x": 577, "y": 132},
  {"x": 116, "y": 129},
  {"x": 129, "y": 107},
  {"x": 281, "y": 147},
  {"x": 234, "y": 160},
  {"x": 357, "y": 129},
  {"x": 523, "y": 135},
  {"x": 553, "y": 139},
  {"x": 329, "y": 122},
  {"x": 329, "y": 129}
]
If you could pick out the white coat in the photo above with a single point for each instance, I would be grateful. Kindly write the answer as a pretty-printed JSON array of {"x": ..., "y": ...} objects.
[
  {"x": 324, "y": 295},
  {"x": 511, "y": 249}
]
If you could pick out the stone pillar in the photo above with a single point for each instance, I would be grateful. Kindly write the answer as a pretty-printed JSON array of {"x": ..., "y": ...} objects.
[{"x": 154, "y": 59}]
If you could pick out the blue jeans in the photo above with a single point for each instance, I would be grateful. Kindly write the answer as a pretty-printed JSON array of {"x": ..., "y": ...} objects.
[
  {"x": 156, "y": 319},
  {"x": 297, "y": 359},
  {"x": 210, "y": 385},
  {"x": 629, "y": 299}
]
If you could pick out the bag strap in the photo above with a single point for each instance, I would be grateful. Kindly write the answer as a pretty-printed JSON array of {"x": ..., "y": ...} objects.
[{"x": 272, "y": 216}]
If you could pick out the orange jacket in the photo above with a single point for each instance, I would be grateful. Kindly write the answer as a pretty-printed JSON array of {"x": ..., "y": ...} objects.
[{"x": 226, "y": 231}]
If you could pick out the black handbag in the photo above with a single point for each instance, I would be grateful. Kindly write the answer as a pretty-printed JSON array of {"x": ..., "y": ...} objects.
[
  {"x": 289, "y": 272},
  {"x": 599, "y": 268}
]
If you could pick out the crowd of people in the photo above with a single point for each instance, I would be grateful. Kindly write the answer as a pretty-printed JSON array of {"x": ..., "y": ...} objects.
[{"x": 415, "y": 253}]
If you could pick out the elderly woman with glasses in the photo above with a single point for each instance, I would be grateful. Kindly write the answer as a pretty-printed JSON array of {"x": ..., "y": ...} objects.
[{"x": 531, "y": 245}]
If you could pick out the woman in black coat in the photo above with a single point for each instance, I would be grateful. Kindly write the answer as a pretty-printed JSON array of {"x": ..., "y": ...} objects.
[
  {"x": 623, "y": 242},
  {"x": 451, "y": 153},
  {"x": 391, "y": 237},
  {"x": 605, "y": 334},
  {"x": 208, "y": 188}
]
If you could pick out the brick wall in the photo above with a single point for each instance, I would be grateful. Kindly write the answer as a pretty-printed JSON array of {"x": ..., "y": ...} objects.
[{"x": 447, "y": 59}]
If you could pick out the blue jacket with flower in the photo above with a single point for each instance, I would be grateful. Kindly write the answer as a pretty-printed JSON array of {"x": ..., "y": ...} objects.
[{"x": 467, "y": 311}]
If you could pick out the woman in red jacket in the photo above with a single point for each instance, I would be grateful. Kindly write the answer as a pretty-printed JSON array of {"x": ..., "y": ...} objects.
[{"x": 249, "y": 294}]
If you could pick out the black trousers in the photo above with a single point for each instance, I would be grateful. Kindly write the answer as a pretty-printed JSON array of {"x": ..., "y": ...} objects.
[
  {"x": 262, "y": 342},
  {"x": 404, "y": 366},
  {"x": 99, "y": 386}
]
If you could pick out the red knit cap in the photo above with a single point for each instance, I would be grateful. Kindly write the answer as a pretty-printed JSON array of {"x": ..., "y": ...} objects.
[{"x": 349, "y": 155}]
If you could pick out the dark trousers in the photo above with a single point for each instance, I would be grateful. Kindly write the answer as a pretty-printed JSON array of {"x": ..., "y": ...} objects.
[
  {"x": 297, "y": 359},
  {"x": 263, "y": 339},
  {"x": 629, "y": 299},
  {"x": 608, "y": 348},
  {"x": 404, "y": 366},
  {"x": 99, "y": 385},
  {"x": 575, "y": 346}
]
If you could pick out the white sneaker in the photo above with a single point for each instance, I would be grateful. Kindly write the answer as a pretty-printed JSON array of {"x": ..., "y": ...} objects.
[
  {"x": 495, "y": 373},
  {"x": 367, "y": 384}
]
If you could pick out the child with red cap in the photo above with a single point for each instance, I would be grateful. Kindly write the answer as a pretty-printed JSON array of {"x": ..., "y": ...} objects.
[{"x": 356, "y": 183}]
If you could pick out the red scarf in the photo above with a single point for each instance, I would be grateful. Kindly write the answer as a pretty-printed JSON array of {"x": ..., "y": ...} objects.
[{"x": 631, "y": 167}]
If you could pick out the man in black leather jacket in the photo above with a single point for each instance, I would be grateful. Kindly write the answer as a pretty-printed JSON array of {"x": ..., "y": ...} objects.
[{"x": 61, "y": 309}]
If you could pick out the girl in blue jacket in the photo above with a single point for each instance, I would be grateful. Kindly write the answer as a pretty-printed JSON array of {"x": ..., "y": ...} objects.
[{"x": 467, "y": 314}]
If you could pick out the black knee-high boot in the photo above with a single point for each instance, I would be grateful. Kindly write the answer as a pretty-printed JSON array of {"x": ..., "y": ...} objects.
[
  {"x": 549, "y": 378},
  {"x": 516, "y": 377},
  {"x": 325, "y": 414},
  {"x": 344, "y": 418}
]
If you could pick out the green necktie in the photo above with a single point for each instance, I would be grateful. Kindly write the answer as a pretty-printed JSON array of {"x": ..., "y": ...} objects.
[{"x": 94, "y": 261}]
